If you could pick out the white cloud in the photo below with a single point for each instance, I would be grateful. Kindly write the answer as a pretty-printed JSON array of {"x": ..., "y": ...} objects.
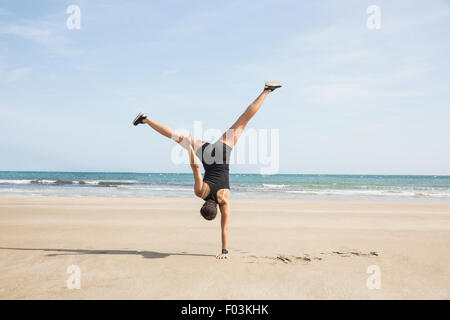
[
  {"x": 341, "y": 62},
  {"x": 192, "y": 23},
  {"x": 334, "y": 93},
  {"x": 4, "y": 12},
  {"x": 169, "y": 72},
  {"x": 17, "y": 74},
  {"x": 43, "y": 34}
]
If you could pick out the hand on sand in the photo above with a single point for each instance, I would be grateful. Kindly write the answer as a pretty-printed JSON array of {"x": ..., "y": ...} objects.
[{"x": 222, "y": 256}]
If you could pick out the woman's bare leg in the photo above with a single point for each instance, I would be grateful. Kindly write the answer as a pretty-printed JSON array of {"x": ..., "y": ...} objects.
[
  {"x": 231, "y": 136},
  {"x": 172, "y": 134},
  {"x": 164, "y": 130}
]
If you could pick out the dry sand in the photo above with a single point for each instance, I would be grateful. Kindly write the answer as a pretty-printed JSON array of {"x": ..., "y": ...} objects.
[{"x": 161, "y": 248}]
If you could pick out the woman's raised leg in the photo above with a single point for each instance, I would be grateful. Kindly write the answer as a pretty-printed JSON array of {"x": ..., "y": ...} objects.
[
  {"x": 231, "y": 136},
  {"x": 164, "y": 130},
  {"x": 167, "y": 131}
]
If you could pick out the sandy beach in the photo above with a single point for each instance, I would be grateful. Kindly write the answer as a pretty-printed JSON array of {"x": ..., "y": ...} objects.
[{"x": 161, "y": 248}]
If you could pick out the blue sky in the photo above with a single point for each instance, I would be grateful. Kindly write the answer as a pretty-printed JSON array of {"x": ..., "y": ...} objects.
[{"x": 355, "y": 100}]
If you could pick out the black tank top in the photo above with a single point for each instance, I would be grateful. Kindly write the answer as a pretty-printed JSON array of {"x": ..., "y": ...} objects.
[{"x": 216, "y": 162}]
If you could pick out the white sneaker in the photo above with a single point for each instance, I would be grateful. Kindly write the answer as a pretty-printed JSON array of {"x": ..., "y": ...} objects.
[{"x": 272, "y": 85}]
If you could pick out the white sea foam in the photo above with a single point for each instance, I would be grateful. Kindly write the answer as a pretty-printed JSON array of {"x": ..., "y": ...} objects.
[
  {"x": 6, "y": 181},
  {"x": 376, "y": 193},
  {"x": 118, "y": 182},
  {"x": 44, "y": 181},
  {"x": 274, "y": 186},
  {"x": 172, "y": 189},
  {"x": 153, "y": 188},
  {"x": 48, "y": 181},
  {"x": 92, "y": 182}
]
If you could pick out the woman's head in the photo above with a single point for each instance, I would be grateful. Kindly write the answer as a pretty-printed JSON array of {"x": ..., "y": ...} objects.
[{"x": 209, "y": 209}]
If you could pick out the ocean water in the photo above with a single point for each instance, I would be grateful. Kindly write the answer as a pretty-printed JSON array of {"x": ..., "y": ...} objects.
[{"x": 281, "y": 186}]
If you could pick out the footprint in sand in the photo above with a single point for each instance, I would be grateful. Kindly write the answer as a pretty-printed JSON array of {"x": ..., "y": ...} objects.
[
  {"x": 306, "y": 258},
  {"x": 355, "y": 253}
]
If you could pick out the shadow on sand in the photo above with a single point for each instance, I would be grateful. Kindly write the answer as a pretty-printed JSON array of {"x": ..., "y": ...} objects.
[{"x": 144, "y": 254}]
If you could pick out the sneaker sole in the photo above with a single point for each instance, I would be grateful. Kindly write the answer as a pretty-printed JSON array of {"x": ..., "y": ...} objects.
[{"x": 272, "y": 85}]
